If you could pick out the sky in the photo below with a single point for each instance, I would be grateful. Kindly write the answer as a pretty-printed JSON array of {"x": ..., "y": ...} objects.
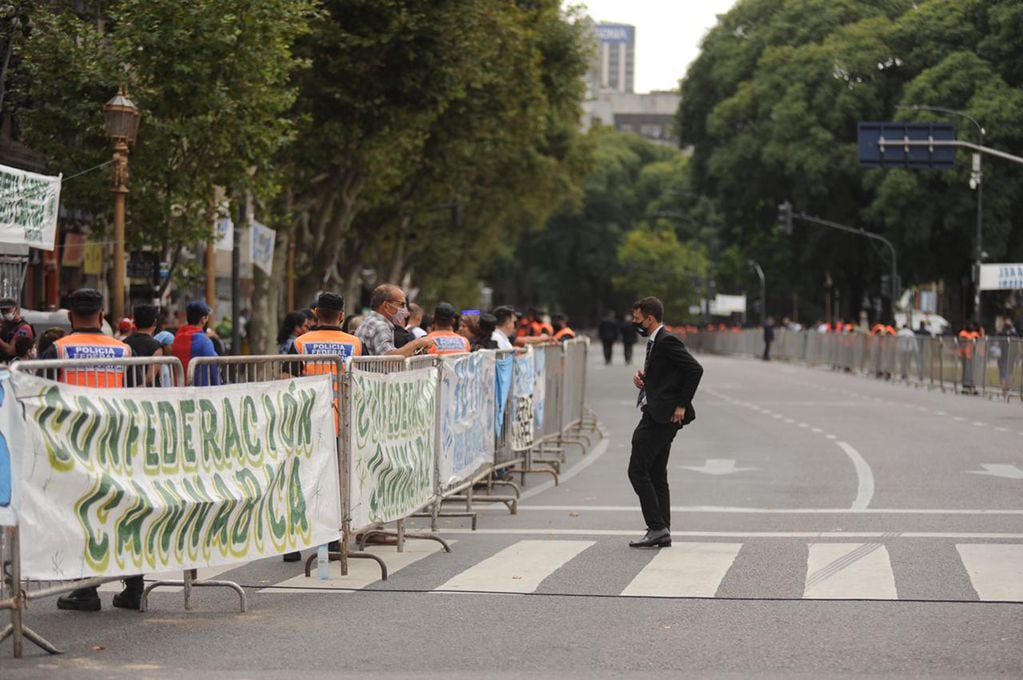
[{"x": 668, "y": 33}]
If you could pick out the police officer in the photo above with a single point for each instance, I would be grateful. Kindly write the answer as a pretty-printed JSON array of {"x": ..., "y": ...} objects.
[
  {"x": 328, "y": 340},
  {"x": 87, "y": 341},
  {"x": 560, "y": 326},
  {"x": 446, "y": 340}
]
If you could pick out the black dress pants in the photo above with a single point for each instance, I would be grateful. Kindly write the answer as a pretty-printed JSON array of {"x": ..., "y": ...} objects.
[
  {"x": 648, "y": 470},
  {"x": 608, "y": 348}
]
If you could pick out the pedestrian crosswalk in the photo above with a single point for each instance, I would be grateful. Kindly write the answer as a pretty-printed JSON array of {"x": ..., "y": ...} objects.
[{"x": 830, "y": 570}]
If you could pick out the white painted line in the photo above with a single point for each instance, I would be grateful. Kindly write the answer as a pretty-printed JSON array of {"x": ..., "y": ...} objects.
[
  {"x": 864, "y": 477},
  {"x": 994, "y": 570},
  {"x": 849, "y": 571},
  {"x": 1001, "y": 429},
  {"x": 777, "y": 415},
  {"x": 519, "y": 568},
  {"x": 940, "y": 413},
  {"x": 817, "y": 430},
  {"x": 803, "y": 426},
  {"x": 743, "y": 534},
  {"x": 958, "y": 418},
  {"x": 977, "y": 423},
  {"x": 789, "y": 420},
  {"x": 361, "y": 572},
  {"x": 767, "y": 511},
  {"x": 589, "y": 459},
  {"x": 204, "y": 573},
  {"x": 685, "y": 570},
  {"x": 831, "y": 436}
]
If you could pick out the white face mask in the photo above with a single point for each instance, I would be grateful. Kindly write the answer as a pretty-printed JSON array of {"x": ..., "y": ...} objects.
[
  {"x": 8, "y": 316},
  {"x": 401, "y": 316}
]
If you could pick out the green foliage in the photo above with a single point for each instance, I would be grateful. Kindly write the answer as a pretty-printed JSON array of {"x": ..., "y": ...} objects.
[
  {"x": 771, "y": 108},
  {"x": 656, "y": 263}
]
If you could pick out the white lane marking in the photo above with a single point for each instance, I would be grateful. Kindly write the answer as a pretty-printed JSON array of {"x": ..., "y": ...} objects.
[
  {"x": 776, "y": 415},
  {"x": 977, "y": 423},
  {"x": 940, "y": 413},
  {"x": 766, "y": 511},
  {"x": 361, "y": 573},
  {"x": 685, "y": 570},
  {"x": 849, "y": 571},
  {"x": 589, "y": 459},
  {"x": 803, "y": 425},
  {"x": 519, "y": 568},
  {"x": 204, "y": 573},
  {"x": 1001, "y": 429},
  {"x": 958, "y": 418},
  {"x": 741, "y": 534},
  {"x": 994, "y": 570},
  {"x": 817, "y": 430},
  {"x": 864, "y": 477},
  {"x": 831, "y": 436},
  {"x": 789, "y": 420}
]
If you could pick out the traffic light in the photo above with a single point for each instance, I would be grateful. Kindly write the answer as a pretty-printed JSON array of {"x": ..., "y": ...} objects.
[{"x": 785, "y": 218}]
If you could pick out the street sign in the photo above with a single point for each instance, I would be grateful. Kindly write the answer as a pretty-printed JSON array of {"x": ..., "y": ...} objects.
[
  {"x": 1001, "y": 276},
  {"x": 889, "y": 153}
]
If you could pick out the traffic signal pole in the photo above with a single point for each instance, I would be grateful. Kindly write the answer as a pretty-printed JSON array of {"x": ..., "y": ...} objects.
[{"x": 786, "y": 216}]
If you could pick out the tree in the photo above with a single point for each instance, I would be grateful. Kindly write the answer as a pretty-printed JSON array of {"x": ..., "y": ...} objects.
[{"x": 656, "y": 263}]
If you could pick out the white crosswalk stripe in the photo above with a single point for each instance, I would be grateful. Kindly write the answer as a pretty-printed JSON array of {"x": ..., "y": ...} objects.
[
  {"x": 519, "y": 568},
  {"x": 996, "y": 571},
  {"x": 685, "y": 570},
  {"x": 833, "y": 570},
  {"x": 849, "y": 571}
]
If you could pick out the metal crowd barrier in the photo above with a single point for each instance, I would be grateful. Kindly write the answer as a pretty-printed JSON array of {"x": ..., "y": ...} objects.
[
  {"x": 990, "y": 366},
  {"x": 16, "y": 591}
]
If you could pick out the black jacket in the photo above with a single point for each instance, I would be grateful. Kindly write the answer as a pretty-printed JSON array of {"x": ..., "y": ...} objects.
[{"x": 671, "y": 378}]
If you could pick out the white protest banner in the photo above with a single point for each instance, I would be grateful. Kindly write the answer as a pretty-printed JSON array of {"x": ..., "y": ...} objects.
[
  {"x": 29, "y": 204},
  {"x": 392, "y": 444},
  {"x": 1001, "y": 276},
  {"x": 223, "y": 234},
  {"x": 261, "y": 247},
  {"x": 118, "y": 482},
  {"x": 522, "y": 401},
  {"x": 467, "y": 416},
  {"x": 12, "y": 438}
]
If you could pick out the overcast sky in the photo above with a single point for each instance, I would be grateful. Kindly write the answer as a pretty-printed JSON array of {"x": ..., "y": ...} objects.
[{"x": 668, "y": 33}]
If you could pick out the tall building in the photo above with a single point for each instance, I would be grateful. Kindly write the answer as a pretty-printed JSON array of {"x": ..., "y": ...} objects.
[{"x": 615, "y": 64}]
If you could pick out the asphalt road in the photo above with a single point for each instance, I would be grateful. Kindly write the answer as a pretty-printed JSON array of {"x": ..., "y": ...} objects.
[{"x": 825, "y": 525}]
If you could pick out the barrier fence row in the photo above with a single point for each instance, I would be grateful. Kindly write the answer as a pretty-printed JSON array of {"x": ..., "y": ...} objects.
[
  {"x": 288, "y": 452},
  {"x": 990, "y": 366}
]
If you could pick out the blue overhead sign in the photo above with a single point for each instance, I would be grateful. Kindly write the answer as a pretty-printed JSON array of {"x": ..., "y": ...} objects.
[{"x": 891, "y": 153}]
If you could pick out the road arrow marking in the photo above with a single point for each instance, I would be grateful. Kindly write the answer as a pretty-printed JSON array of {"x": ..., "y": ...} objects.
[
  {"x": 998, "y": 470},
  {"x": 718, "y": 466}
]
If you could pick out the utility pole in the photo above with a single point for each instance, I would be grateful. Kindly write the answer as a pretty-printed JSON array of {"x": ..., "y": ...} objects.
[{"x": 763, "y": 289}]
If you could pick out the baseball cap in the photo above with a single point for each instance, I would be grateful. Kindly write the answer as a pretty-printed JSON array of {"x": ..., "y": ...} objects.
[
  {"x": 8, "y": 302},
  {"x": 85, "y": 301},
  {"x": 198, "y": 306},
  {"x": 444, "y": 312},
  {"x": 330, "y": 302}
]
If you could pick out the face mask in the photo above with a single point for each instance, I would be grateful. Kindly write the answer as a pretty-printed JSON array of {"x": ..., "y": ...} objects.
[
  {"x": 8, "y": 316},
  {"x": 640, "y": 329},
  {"x": 401, "y": 316}
]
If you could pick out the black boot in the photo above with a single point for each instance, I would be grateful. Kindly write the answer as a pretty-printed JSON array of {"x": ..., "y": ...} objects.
[
  {"x": 131, "y": 596},
  {"x": 82, "y": 600},
  {"x": 292, "y": 556}
]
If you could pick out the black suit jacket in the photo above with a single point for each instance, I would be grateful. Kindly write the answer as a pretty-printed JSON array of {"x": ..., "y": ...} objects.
[{"x": 671, "y": 379}]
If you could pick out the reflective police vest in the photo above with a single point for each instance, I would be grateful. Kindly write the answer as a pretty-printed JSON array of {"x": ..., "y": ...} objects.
[
  {"x": 448, "y": 342},
  {"x": 565, "y": 333},
  {"x": 327, "y": 342},
  {"x": 95, "y": 346}
]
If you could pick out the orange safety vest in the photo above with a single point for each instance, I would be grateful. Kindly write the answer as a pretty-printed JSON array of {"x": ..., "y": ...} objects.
[
  {"x": 970, "y": 338},
  {"x": 326, "y": 342},
  {"x": 565, "y": 333},
  {"x": 448, "y": 342},
  {"x": 79, "y": 345}
]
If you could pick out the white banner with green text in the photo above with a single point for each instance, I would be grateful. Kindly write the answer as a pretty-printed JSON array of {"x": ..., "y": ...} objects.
[
  {"x": 392, "y": 444},
  {"x": 119, "y": 482},
  {"x": 29, "y": 204}
]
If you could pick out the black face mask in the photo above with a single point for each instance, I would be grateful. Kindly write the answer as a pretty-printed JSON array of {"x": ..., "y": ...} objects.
[{"x": 640, "y": 329}]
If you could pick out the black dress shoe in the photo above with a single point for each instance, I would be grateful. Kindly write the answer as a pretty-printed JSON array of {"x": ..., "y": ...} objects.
[
  {"x": 292, "y": 556},
  {"x": 659, "y": 538},
  {"x": 82, "y": 600}
]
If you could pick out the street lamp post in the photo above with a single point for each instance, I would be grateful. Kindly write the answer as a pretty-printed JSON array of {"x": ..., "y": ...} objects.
[
  {"x": 122, "y": 124},
  {"x": 976, "y": 181},
  {"x": 763, "y": 289}
]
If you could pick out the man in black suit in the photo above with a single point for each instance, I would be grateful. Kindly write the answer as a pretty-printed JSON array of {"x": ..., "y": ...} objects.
[{"x": 666, "y": 386}]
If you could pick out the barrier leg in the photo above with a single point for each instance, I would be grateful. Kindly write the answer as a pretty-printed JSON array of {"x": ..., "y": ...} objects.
[{"x": 16, "y": 629}]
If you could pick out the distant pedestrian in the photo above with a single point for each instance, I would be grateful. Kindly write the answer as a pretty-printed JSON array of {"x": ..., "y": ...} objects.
[
  {"x": 607, "y": 331},
  {"x": 768, "y": 337},
  {"x": 1006, "y": 352},
  {"x": 629, "y": 336}
]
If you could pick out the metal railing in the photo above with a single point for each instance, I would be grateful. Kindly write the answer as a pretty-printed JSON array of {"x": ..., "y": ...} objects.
[{"x": 991, "y": 366}]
